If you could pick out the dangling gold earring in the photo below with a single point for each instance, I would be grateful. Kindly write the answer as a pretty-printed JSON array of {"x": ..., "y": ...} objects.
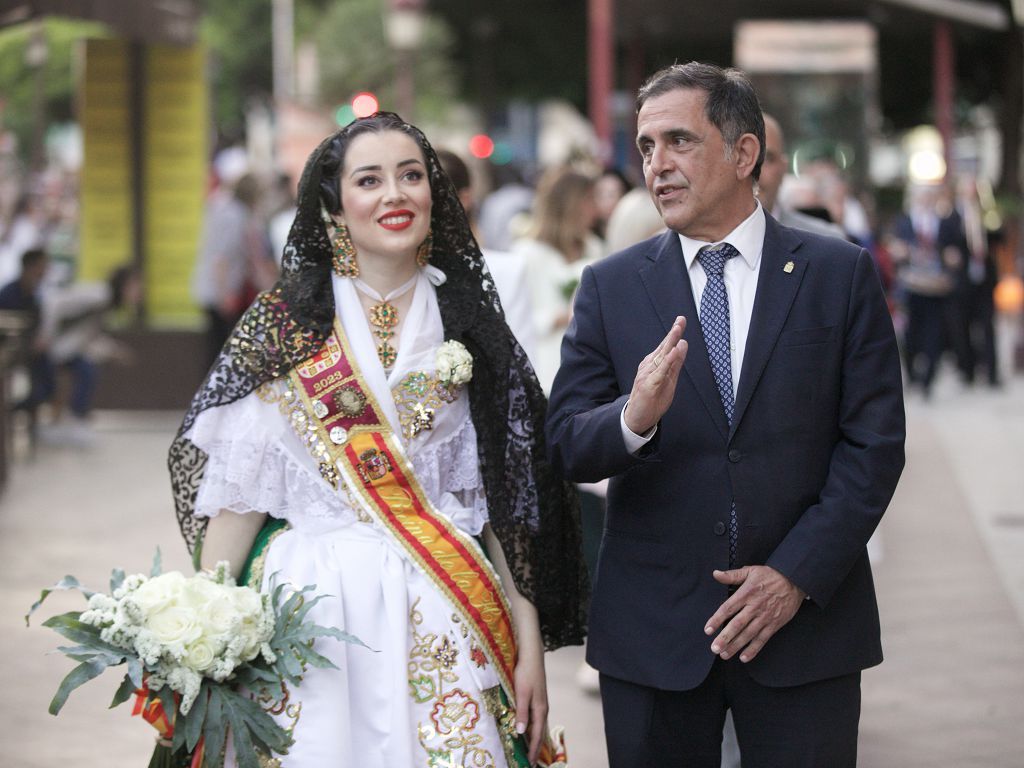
[
  {"x": 343, "y": 260},
  {"x": 423, "y": 252}
]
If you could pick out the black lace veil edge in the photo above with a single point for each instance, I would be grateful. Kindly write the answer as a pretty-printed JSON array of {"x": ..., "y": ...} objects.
[{"x": 534, "y": 514}]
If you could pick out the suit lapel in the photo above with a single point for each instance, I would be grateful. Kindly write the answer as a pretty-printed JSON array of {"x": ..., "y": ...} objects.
[
  {"x": 668, "y": 286},
  {"x": 777, "y": 286}
]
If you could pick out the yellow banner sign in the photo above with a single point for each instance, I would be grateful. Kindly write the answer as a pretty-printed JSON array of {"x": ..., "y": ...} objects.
[
  {"x": 174, "y": 173},
  {"x": 107, "y": 225}
]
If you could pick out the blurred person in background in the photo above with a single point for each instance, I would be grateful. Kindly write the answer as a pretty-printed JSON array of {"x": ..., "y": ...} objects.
[
  {"x": 507, "y": 269},
  {"x": 773, "y": 171},
  {"x": 558, "y": 246},
  {"x": 843, "y": 206},
  {"x": 505, "y": 209},
  {"x": 234, "y": 260},
  {"x": 381, "y": 274},
  {"x": 800, "y": 194},
  {"x": 74, "y": 334},
  {"x": 22, "y": 295},
  {"x": 975, "y": 277},
  {"x": 281, "y": 215},
  {"x": 609, "y": 188},
  {"x": 635, "y": 218},
  {"x": 920, "y": 248},
  {"x": 23, "y": 231}
]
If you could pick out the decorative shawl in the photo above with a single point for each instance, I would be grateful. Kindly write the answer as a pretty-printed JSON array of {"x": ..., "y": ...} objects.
[{"x": 533, "y": 512}]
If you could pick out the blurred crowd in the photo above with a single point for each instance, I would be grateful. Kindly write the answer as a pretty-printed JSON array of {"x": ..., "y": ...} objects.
[
  {"x": 539, "y": 230},
  {"x": 66, "y": 319}
]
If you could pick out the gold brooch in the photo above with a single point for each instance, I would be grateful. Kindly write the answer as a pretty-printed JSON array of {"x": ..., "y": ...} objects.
[{"x": 349, "y": 401}]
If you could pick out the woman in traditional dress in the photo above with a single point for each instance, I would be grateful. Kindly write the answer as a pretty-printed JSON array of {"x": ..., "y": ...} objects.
[{"x": 373, "y": 428}]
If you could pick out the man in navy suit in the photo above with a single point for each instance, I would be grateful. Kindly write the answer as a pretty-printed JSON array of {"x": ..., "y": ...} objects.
[{"x": 750, "y": 417}]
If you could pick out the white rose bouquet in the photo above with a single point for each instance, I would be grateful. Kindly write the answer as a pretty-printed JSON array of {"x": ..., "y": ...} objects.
[
  {"x": 203, "y": 655},
  {"x": 454, "y": 364}
]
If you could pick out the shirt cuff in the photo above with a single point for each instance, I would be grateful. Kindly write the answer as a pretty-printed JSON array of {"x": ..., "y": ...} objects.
[{"x": 634, "y": 442}]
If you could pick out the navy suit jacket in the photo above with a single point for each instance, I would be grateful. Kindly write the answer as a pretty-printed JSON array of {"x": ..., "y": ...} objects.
[{"x": 812, "y": 458}]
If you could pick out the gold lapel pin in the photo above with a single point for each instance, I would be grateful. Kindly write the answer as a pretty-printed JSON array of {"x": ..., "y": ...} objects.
[{"x": 788, "y": 268}]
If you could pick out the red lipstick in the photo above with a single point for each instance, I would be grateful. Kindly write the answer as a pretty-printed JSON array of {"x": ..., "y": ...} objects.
[{"x": 397, "y": 220}]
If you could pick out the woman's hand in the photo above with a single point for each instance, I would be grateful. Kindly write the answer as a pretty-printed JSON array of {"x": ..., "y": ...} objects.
[
  {"x": 531, "y": 690},
  {"x": 530, "y": 683}
]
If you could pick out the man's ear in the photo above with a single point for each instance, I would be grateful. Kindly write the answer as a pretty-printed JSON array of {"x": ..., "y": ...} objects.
[{"x": 745, "y": 154}]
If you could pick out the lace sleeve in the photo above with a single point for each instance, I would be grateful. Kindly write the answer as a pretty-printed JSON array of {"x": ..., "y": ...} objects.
[{"x": 249, "y": 467}]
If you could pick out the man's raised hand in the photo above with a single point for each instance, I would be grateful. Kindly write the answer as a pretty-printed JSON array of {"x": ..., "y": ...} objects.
[{"x": 655, "y": 382}]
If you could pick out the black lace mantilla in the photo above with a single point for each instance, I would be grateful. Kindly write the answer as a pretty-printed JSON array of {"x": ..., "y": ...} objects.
[{"x": 534, "y": 514}]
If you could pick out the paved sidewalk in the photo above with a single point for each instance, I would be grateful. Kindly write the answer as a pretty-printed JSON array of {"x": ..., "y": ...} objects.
[{"x": 951, "y": 586}]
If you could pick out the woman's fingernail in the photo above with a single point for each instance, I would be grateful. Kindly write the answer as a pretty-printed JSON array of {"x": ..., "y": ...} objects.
[{"x": 520, "y": 728}]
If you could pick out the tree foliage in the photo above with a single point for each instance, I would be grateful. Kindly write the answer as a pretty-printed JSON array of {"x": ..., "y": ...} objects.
[
  {"x": 509, "y": 49},
  {"x": 352, "y": 51},
  {"x": 355, "y": 56},
  {"x": 239, "y": 36},
  {"x": 18, "y": 80}
]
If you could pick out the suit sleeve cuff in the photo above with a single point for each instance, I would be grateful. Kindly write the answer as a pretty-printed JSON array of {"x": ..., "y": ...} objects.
[{"x": 634, "y": 442}]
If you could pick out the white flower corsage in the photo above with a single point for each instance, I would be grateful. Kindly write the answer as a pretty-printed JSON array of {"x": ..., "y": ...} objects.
[{"x": 454, "y": 364}]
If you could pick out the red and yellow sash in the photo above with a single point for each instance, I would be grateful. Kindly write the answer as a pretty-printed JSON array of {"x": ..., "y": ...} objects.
[{"x": 345, "y": 428}]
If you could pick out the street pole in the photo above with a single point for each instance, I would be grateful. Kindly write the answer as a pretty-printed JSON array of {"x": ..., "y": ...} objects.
[
  {"x": 601, "y": 57},
  {"x": 944, "y": 85},
  {"x": 404, "y": 23},
  {"x": 283, "y": 31},
  {"x": 36, "y": 56}
]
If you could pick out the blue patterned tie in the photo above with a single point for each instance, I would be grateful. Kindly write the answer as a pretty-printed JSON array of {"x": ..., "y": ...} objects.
[{"x": 714, "y": 321}]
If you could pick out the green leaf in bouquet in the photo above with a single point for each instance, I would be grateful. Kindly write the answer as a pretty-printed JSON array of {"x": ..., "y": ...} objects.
[
  {"x": 309, "y": 632},
  {"x": 192, "y": 728},
  {"x": 80, "y": 675},
  {"x": 77, "y": 651},
  {"x": 245, "y": 751},
  {"x": 135, "y": 670},
  {"x": 298, "y": 605},
  {"x": 69, "y": 626},
  {"x": 124, "y": 692},
  {"x": 265, "y": 732},
  {"x": 214, "y": 729},
  {"x": 291, "y": 607},
  {"x": 290, "y": 664},
  {"x": 85, "y": 653},
  {"x": 116, "y": 579},
  {"x": 166, "y": 696},
  {"x": 158, "y": 564},
  {"x": 255, "y": 675},
  {"x": 307, "y": 656},
  {"x": 67, "y": 583}
]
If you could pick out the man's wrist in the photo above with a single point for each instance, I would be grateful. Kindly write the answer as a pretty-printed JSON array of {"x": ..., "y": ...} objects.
[{"x": 634, "y": 442}]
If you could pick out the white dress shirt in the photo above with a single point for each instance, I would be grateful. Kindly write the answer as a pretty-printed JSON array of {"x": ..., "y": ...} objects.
[{"x": 740, "y": 277}]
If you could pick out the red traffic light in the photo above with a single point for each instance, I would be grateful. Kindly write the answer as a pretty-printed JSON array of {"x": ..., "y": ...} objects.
[
  {"x": 364, "y": 104},
  {"x": 481, "y": 146}
]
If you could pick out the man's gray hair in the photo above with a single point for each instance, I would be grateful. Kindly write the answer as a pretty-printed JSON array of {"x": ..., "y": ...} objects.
[{"x": 731, "y": 104}]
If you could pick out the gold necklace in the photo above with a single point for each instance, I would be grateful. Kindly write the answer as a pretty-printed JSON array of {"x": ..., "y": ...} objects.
[{"x": 384, "y": 318}]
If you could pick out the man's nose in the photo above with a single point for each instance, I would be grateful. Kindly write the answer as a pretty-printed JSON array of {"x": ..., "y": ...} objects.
[{"x": 659, "y": 161}]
